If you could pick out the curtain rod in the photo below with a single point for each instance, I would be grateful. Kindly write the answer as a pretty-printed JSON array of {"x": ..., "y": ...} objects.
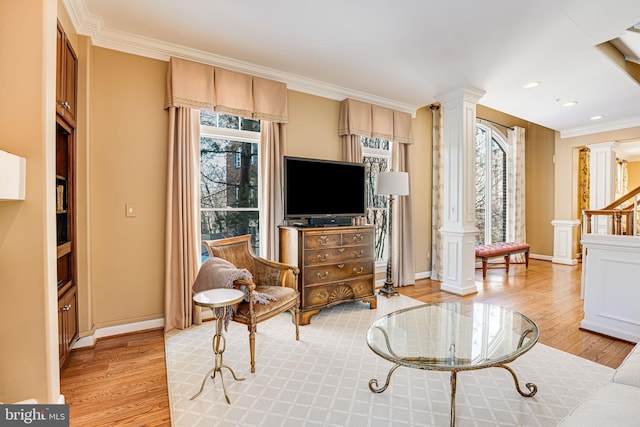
[{"x": 495, "y": 123}]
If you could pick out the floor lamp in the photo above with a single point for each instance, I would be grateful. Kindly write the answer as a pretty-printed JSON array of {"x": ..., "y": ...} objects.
[{"x": 391, "y": 184}]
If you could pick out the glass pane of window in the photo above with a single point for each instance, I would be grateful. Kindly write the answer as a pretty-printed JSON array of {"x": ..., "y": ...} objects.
[
  {"x": 373, "y": 166},
  {"x": 481, "y": 198},
  {"x": 208, "y": 118},
  {"x": 250, "y": 125},
  {"x": 377, "y": 143},
  {"x": 221, "y": 183},
  {"x": 498, "y": 192},
  {"x": 377, "y": 205},
  {"x": 221, "y": 224},
  {"x": 226, "y": 121}
]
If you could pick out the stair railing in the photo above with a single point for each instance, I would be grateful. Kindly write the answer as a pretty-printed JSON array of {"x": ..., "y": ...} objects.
[{"x": 622, "y": 212}]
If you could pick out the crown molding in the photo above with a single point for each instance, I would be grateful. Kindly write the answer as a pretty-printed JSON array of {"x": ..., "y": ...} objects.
[
  {"x": 93, "y": 27},
  {"x": 601, "y": 127}
]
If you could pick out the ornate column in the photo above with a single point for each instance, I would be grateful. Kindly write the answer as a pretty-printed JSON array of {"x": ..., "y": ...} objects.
[{"x": 459, "y": 217}]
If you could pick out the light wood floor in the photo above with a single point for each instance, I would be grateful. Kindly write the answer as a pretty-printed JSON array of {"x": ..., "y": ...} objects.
[{"x": 122, "y": 381}]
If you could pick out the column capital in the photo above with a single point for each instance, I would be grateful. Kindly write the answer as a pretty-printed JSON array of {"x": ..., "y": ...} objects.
[
  {"x": 463, "y": 94},
  {"x": 604, "y": 146}
]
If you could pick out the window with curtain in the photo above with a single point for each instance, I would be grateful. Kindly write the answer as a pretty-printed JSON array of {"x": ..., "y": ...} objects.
[
  {"x": 376, "y": 155},
  {"x": 229, "y": 183},
  {"x": 491, "y": 185}
]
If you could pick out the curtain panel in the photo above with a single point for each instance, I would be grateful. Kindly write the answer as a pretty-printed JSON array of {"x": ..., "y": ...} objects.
[
  {"x": 182, "y": 222},
  {"x": 516, "y": 208},
  {"x": 194, "y": 85},
  {"x": 437, "y": 192}
]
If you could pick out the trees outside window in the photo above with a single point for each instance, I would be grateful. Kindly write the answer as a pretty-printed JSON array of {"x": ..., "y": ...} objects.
[
  {"x": 229, "y": 187},
  {"x": 376, "y": 155},
  {"x": 491, "y": 185}
]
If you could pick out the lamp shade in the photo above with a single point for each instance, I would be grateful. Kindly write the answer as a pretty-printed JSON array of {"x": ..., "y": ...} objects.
[{"x": 393, "y": 183}]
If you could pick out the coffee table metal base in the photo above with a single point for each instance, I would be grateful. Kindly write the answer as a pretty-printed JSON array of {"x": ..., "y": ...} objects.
[{"x": 533, "y": 389}]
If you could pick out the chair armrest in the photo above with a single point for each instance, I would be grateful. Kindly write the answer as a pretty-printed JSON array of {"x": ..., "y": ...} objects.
[
  {"x": 249, "y": 284},
  {"x": 250, "y": 288},
  {"x": 275, "y": 273}
]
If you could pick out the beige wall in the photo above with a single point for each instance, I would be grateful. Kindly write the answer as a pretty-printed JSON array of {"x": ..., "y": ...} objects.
[
  {"x": 28, "y": 299},
  {"x": 128, "y": 162},
  {"x": 633, "y": 169},
  {"x": 539, "y": 170},
  {"x": 312, "y": 130}
]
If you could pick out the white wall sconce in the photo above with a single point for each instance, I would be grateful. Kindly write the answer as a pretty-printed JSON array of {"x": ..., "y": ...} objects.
[{"x": 12, "y": 176}]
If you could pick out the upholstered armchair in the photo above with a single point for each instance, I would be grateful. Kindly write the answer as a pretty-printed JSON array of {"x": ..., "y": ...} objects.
[{"x": 272, "y": 278}]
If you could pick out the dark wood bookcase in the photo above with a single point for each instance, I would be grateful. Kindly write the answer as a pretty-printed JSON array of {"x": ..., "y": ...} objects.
[{"x": 66, "y": 74}]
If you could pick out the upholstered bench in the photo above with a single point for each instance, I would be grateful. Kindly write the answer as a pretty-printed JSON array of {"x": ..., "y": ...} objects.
[{"x": 505, "y": 249}]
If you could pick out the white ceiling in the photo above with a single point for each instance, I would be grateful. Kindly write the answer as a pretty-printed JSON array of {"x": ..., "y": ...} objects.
[{"x": 403, "y": 54}]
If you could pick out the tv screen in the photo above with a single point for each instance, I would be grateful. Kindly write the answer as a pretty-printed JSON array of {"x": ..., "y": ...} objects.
[{"x": 314, "y": 188}]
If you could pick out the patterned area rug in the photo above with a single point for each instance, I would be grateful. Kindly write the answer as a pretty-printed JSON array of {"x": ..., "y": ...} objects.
[{"x": 322, "y": 380}]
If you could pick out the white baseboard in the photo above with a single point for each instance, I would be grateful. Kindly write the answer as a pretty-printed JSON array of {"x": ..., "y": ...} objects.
[
  {"x": 541, "y": 257},
  {"x": 423, "y": 275},
  {"x": 59, "y": 401},
  {"x": 108, "y": 331}
]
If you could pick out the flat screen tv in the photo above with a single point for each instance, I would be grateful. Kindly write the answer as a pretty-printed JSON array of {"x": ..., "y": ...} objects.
[{"x": 323, "y": 188}]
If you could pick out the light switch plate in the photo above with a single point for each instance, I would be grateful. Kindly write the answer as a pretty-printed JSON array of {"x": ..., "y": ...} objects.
[{"x": 130, "y": 210}]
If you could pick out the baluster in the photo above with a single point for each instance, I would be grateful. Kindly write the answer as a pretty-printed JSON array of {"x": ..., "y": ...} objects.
[{"x": 617, "y": 228}]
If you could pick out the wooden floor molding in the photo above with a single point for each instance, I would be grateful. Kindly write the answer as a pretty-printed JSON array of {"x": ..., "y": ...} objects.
[{"x": 123, "y": 382}]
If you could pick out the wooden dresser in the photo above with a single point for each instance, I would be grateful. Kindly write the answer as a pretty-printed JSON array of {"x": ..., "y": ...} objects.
[{"x": 336, "y": 265}]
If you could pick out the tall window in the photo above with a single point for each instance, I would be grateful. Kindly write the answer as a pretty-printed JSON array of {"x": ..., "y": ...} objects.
[
  {"x": 376, "y": 155},
  {"x": 229, "y": 177},
  {"x": 491, "y": 185}
]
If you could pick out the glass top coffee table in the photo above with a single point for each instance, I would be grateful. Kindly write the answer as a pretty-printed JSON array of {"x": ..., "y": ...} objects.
[{"x": 452, "y": 336}]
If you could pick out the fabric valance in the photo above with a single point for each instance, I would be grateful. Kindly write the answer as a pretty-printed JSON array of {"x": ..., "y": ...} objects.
[
  {"x": 361, "y": 118},
  {"x": 199, "y": 86}
]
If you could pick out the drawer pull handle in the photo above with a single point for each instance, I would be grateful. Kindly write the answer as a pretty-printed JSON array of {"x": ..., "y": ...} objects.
[
  {"x": 358, "y": 238},
  {"x": 340, "y": 265},
  {"x": 341, "y": 250},
  {"x": 323, "y": 240},
  {"x": 358, "y": 270},
  {"x": 323, "y": 276},
  {"x": 358, "y": 254},
  {"x": 323, "y": 257}
]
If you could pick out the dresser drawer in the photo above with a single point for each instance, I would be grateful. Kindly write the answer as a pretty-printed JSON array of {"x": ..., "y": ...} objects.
[
  {"x": 340, "y": 271},
  {"x": 358, "y": 237},
  {"x": 326, "y": 295},
  {"x": 337, "y": 255},
  {"x": 321, "y": 240}
]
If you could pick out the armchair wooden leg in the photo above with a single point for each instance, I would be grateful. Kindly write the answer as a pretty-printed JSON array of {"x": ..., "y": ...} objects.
[
  {"x": 252, "y": 347},
  {"x": 294, "y": 318}
]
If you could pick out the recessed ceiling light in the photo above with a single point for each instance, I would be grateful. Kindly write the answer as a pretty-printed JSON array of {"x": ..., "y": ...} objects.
[
  {"x": 595, "y": 118},
  {"x": 569, "y": 103},
  {"x": 530, "y": 85}
]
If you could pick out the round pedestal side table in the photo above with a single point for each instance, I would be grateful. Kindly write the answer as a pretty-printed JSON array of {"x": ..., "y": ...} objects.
[{"x": 218, "y": 298}]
